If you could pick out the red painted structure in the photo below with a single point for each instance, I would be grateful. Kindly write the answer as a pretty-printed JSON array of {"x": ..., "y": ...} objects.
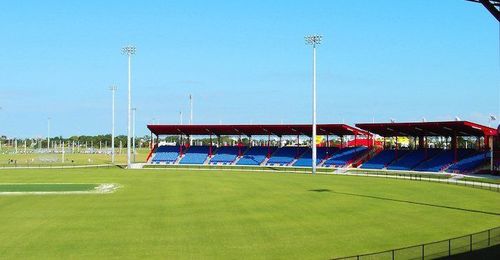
[
  {"x": 421, "y": 130},
  {"x": 253, "y": 130}
]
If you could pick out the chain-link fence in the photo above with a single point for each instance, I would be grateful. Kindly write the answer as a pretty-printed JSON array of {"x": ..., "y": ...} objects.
[{"x": 438, "y": 249}]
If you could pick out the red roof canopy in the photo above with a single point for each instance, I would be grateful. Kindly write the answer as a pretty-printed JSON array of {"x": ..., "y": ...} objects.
[
  {"x": 278, "y": 130},
  {"x": 446, "y": 128}
]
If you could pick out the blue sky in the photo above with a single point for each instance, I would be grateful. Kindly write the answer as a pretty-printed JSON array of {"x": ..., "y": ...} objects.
[{"x": 244, "y": 62}]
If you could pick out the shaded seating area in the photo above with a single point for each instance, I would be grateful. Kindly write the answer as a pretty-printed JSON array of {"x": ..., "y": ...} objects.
[
  {"x": 383, "y": 159},
  {"x": 286, "y": 155},
  {"x": 470, "y": 163},
  {"x": 166, "y": 154},
  {"x": 195, "y": 155},
  {"x": 255, "y": 155},
  {"x": 321, "y": 153},
  {"x": 443, "y": 159},
  {"x": 412, "y": 159},
  {"x": 345, "y": 156},
  {"x": 227, "y": 154}
]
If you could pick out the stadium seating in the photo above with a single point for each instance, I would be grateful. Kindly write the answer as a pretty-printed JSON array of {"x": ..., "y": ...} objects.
[
  {"x": 285, "y": 155},
  {"x": 382, "y": 159},
  {"x": 470, "y": 163},
  {"x": 255, "y": 155},
  {"x": 345, "y": 156},
  {"x": 412, "y": 159},
  {"x": 441, "y": 160},
  {"x": 321, "y": 153},
  {"x": 166, "y": 154},
  {"x": 226, "y": 154},
  {"x": 195, "y": 155}
]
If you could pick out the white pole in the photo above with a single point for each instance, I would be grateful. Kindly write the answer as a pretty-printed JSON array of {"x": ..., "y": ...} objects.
[
  {"x": 180, "y": 116},
  {"x": 113, "y": 90},
  {"x": 191, "y": 109},
  {"x": 62, "y": 148},
  {"x": 48, "y": 134},
  {"x": 314, "y": 40},
  {"x": 128, "y": 112},
  {"x": 129, "y": 50},
  {"x": 314, "y": 113},
  {"x": 15, "y": 145},
  {"x": 133, "y": 133}
]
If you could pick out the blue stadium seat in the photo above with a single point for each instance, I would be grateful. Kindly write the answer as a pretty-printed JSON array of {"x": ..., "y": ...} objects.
[
  {"x": 412, "y": 159},
  {"x": 345, "y": 156},
  {"x": 286, "y": 155},
  {"x": 166, "y": 154},
  {"x": 195, "y": 155},
  {"x": 442, "y": 160},
  {"x": 470, "y": 163},
  {"x": 321, "y": 153},
  {"x": 382, "y": 159},
  {"x": 227, "y": 154},
  {"x": 255, "y": 155}
]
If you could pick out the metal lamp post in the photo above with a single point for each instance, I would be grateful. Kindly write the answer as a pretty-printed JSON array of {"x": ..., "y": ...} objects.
[
  {"x": 113, "y": 90},
  {"x": 129, "y": 51},
  {"x": 314, "y": 40}
]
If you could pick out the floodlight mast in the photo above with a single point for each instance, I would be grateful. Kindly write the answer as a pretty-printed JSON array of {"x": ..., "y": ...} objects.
[
  {"x": 133, "y": 133},
  {"x": 129, "y": 51},
  {"x": 313, "y": 40},
  {"x": 48, "y": 134},
  {"x": 113, "y": 90}
]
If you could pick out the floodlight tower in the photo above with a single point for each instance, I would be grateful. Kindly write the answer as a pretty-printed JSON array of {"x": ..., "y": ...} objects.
[
  {"x": 190, "y": 109},
  {"x": 48, "y": 134},
  {"x": 133, "y": 132},
  {"x": 113, "y": 91},
  {"x": 313, "y": 40},
  {"x": 129, "y": 51}
]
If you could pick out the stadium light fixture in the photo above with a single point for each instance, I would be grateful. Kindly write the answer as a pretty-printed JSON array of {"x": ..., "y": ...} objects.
[
  {"x": 491, "y": 119},
  {"x": 129, "y": 51},
  {"x": 313, "y": 40},
  {"x": 113, "y": 90}
]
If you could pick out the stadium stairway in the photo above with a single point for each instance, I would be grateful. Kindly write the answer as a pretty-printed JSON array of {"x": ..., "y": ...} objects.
[
  {"x": 256, "y": 155},
  {"x": 345, "y": 156},
  {"x": 226, "y": 155},
  {"x": 322, "y": 153},
  {"x": 383, "y": 159}
]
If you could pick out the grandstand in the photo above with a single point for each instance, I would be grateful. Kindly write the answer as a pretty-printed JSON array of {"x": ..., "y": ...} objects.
[
  {"x": 346, "y": 151},
  {"x": 256, "y": 155},
  {"x": 424, "y": 158},
  {"x": 227, "y": 154}
]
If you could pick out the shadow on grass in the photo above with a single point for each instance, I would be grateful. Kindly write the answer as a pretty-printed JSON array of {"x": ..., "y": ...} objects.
[{"x": 406, "y": 201}]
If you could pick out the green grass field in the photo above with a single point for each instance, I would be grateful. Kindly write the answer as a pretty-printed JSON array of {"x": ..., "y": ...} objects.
[
  {"x": 42, "y": 187},
  {"x": 37, "y": 159},
  {"x": 180, "y": 214}
]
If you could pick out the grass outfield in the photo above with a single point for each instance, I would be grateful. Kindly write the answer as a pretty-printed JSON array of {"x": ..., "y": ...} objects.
[
  {"x": 42, "y": 187},
  {"x": 41, "y": 159},
  {"x": 209, "y": 214}
]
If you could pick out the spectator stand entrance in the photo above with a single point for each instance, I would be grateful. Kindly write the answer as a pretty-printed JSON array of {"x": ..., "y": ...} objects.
[
  {"x": 449, "y": 146},
  {"x": 339, "y": 148}
]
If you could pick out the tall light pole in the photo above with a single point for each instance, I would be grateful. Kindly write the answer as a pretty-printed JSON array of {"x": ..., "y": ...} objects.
[
  {"x": 48, "y": 134},
  {"x": 190, "y": 109},
  {"x": 113, "y": 90},
  {"x": 313, "y": 40},
  {"x": 133, "y": 132},
  {"x": 129, "y": 51}
]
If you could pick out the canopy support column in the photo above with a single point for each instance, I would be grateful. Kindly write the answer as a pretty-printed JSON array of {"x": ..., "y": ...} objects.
[{"x": 211, "y": 145}]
